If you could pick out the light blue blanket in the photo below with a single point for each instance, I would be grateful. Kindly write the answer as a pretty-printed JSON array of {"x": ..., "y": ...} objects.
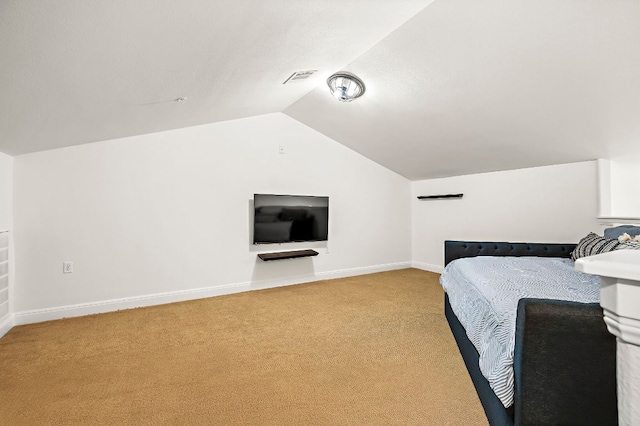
[{"x": 484, "y": 293}]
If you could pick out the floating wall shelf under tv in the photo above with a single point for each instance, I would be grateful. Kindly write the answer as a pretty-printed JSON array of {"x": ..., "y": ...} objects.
[{"x": 287, "y": 254}]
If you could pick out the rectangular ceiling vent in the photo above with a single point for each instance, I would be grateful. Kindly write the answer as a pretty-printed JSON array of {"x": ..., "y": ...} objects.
[{"x": 299, "y": 76}]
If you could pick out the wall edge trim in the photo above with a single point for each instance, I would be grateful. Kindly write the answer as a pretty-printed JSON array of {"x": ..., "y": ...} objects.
[
  {"x": 7, "y": 325},
  {"x": 427, "y": 267},
  {"x": 113, "y": 305}
]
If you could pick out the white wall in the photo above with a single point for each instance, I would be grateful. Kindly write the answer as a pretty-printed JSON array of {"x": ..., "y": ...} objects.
[
  {"x": 541, "y": 204},
  {"x": 625, "y": 180},
  {"x": 6, "y": 191},
  {"x": 6, "y": 266},
  {"x": 170, "y": 213}
]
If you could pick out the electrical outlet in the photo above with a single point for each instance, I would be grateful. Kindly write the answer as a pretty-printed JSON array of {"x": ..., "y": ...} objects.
[
  {"x": 67, "y": 267},
  {"x": 281, "y": 149}
]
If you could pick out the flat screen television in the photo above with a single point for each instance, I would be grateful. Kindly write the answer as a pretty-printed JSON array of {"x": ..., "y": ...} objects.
[{"x": 290, "y": 218}]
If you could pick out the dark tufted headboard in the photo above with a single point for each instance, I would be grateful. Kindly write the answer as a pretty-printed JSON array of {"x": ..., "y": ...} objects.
[{"x": 458, "y": 249}]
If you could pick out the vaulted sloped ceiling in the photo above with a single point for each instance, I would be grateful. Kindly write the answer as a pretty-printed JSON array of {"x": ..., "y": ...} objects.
[
  {"x": 453, "y": 86},
  {"x": 73, "y": 72},
  {"x": 472, "y": 86}
]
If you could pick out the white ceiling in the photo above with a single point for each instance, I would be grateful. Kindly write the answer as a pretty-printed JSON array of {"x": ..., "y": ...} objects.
[
  {"x": 73, "y": 72},
  {"x": 453, "y": 87}
]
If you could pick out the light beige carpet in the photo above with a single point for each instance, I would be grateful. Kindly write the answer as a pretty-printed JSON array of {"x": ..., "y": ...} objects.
[{"x": 367, "y": 350}]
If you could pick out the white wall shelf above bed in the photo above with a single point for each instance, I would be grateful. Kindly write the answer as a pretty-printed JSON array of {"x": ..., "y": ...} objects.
[
  {"x": 612, "y": 220},
  {"x": 439, "y": 197}
]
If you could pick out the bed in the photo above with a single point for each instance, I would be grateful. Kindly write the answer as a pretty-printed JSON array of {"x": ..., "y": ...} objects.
[{"x": 563, "y": 358}]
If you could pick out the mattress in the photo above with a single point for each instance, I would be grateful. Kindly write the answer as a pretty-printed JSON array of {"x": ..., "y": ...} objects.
[{"x": 484, "y": 293}]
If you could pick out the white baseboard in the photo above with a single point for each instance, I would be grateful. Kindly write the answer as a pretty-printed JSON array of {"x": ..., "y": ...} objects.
[
  {"x": 59, "y": 312},
  {"x": 427, "y": 267},
  {"x": 6, "y": 325}
]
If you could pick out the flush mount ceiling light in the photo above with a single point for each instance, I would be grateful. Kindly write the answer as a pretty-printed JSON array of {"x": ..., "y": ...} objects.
[{"x": 345, "y": 86}]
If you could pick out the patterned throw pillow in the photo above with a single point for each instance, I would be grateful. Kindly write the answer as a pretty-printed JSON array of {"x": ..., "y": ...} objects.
[
  {"x": 629, "y": 245},
  {"x": 594, "y": 244}
]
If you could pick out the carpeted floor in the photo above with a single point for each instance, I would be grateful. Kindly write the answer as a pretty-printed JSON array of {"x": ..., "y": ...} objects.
[{"x": 367, "y": 350}]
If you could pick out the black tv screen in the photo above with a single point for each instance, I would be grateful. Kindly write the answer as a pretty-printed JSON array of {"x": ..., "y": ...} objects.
[{"x": 290, "y": 218}]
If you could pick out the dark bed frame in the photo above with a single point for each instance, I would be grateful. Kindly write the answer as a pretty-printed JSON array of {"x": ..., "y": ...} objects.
[{"x": 564, "y": 357}]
